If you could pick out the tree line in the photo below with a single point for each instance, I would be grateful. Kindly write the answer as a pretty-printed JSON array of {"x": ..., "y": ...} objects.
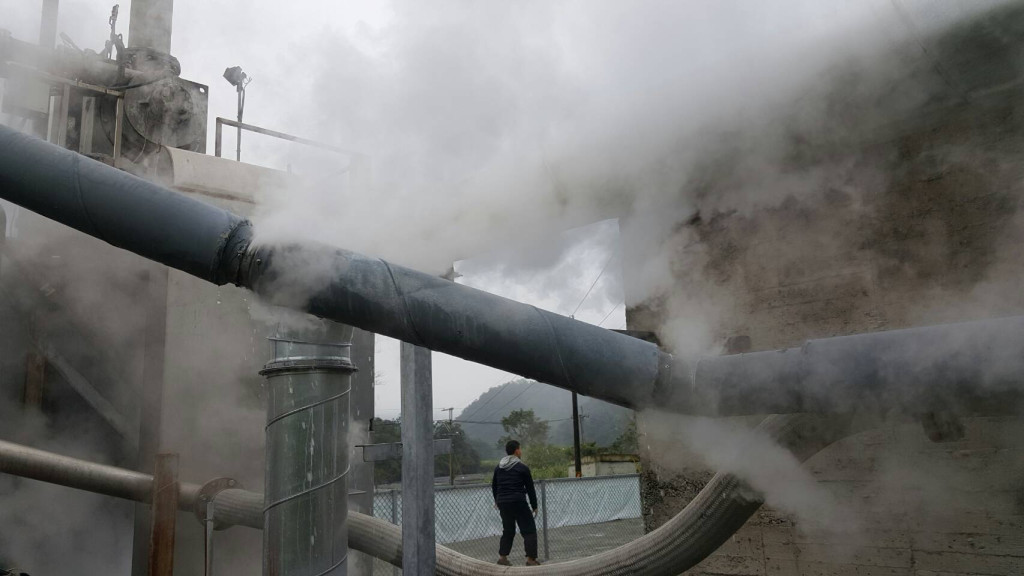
[{"x": 545, "y": 460}]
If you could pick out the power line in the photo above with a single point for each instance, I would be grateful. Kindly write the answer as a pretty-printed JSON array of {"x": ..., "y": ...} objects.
[
  {"x": 498, "y": 410},
  {"x": 516, "y": 396},
  {"x": 589, "y": 290},
  {"x": 608, "y": 315},
  {"x": 488, "y": 401},
  {"x": 499, "y": 423}
]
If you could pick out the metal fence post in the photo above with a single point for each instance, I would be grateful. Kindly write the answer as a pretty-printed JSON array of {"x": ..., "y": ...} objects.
[
  {"x": 394, "y": 520},
  {"x": 544, "y": 515}
]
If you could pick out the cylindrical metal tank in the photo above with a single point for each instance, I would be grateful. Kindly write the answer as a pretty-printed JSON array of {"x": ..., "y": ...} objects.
[{"x": 306, "y": 501}]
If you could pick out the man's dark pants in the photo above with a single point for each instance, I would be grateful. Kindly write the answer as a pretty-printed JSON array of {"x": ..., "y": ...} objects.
[{"x": 512, "y": 514}]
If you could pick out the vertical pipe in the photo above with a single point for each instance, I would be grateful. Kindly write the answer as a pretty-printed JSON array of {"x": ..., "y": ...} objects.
[
  {"x": 211, "y": 508},
  {"x": 118, "y": 126},
  {"x": 48, "y": 24},
  {"x": 306, "y": 500},
  {"x": 238, "y": 138},
  {"x": 544, "y": 515},
  {"x": 418, "y": 555},
  {"x": 576, "y": 435},
  {"x": 165, "y": 513},
  {"x": 149, "y": 25}
]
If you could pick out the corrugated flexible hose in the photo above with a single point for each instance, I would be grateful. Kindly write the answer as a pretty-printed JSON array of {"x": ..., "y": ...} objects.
[
  {"x": 715, "y": 514},
  {"x": 721, "y": 508}
]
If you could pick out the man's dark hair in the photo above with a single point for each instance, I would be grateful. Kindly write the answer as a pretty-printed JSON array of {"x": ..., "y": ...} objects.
[{"x": 511, "y": 446}]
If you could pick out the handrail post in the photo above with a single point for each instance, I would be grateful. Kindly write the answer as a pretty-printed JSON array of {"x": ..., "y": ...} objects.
[{"x": 217, "y": 137}]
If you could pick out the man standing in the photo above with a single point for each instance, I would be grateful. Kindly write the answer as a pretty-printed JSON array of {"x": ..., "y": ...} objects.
[{"x": 511, "y": 485}]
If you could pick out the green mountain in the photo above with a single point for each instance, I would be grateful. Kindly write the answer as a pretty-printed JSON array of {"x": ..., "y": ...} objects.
[{"x": 602, "y": 422}]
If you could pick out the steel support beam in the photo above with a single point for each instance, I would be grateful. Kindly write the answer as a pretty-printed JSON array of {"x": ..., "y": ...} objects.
[
  {"x": 88, "y": 392},
  {"x": 360, "y": 476},
  {"x": 418, "y": 554}
]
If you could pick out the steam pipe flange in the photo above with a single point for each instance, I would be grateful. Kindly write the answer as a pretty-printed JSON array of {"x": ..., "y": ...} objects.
[{"x": 207, "y": 494}]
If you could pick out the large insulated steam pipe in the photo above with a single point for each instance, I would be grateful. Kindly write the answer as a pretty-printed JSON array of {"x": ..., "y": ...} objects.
[
  {"x": 710, "y": 519},
  {"x": 923, "y": 369}
]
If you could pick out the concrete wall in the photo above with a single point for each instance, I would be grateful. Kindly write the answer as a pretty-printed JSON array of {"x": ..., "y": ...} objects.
[{"x": 873, "y": 214}]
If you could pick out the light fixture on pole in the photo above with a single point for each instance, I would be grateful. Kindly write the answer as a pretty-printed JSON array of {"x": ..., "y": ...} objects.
[{"x": 239, "y": 80}]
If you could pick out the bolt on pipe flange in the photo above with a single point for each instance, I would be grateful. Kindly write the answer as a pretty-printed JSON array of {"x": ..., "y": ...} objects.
[{"x": 207, "y": 494}]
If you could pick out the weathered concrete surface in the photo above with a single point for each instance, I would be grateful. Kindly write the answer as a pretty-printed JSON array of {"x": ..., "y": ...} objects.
[{"x": 858, "y": 211}]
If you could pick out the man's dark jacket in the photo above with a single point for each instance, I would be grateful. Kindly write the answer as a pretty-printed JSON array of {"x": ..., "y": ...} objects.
[{"x": 512, "y": 481}]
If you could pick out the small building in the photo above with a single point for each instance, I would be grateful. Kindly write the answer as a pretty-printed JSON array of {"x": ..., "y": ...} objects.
[{"x": 607, "y": 465}]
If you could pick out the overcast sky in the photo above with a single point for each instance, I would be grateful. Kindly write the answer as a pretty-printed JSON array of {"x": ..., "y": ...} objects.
[{"x": 476, "y": 113}]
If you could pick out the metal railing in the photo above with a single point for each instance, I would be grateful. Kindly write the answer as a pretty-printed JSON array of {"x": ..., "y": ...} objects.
[
  {"x": 577, "y": 517},
  {"x": 221, "y": 122},
  {"x": 58, "y": 109}
]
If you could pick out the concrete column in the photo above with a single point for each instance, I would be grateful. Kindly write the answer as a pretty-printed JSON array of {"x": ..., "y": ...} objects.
[
  {"x": 150, "y": 25},
  {"x": 418, "y": 556},
  {"x": 48, "y": 24}
]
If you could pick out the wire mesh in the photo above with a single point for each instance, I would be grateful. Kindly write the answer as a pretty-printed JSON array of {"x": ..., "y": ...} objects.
[{"x": 578, "y": 517}]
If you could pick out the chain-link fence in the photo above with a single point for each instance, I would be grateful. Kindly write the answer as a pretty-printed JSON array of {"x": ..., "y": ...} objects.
[{"x": 578, "y": 517}]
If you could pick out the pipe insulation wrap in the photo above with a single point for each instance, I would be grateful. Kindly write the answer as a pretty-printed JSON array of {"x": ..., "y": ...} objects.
[
  {"x": 114, "y": 206},
  {"x": 44, "y": 466},
  {"x": 454, "y": 319},
  {"x": 966, "y": 368},
  {"x": 724, "y": 505},
  {"x": 972, "y": 367}
]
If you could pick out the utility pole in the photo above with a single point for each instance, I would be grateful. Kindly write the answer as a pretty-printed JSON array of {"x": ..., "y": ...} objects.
[
  {"x": 451, "y": 434},
  {"x": 576, "y": 435}
]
